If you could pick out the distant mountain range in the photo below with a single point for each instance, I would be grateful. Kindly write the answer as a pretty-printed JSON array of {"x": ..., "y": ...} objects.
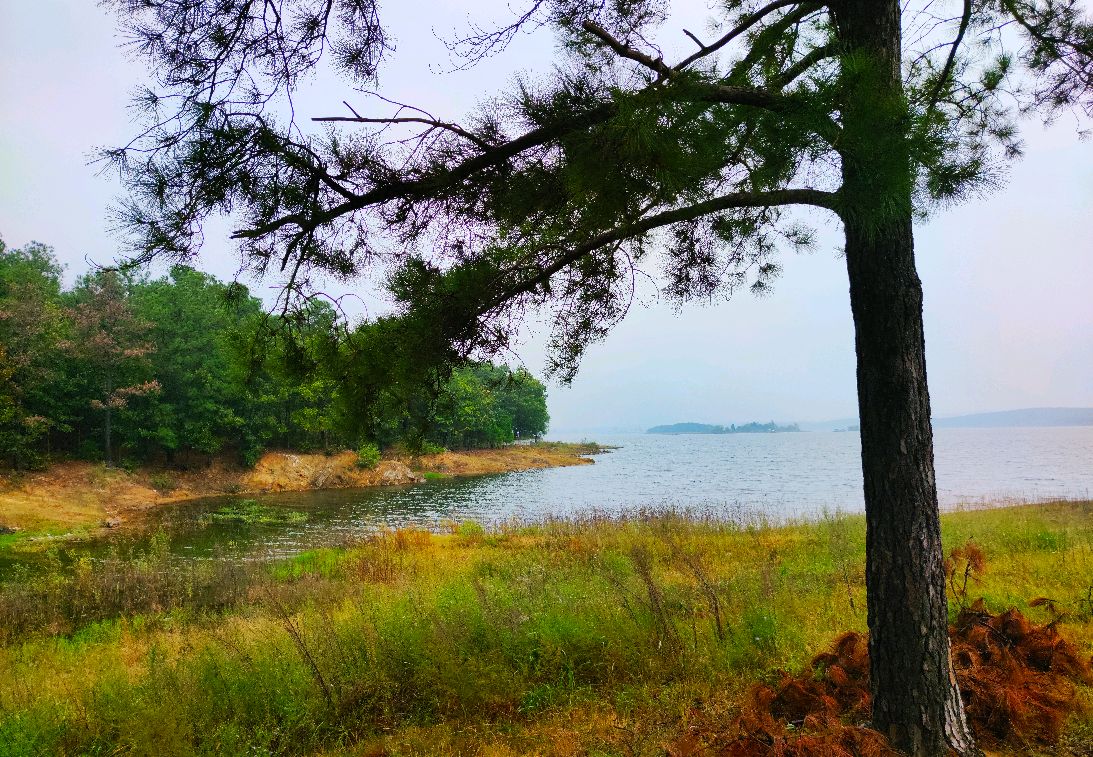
[
  {"x": 1026, "y": 417},
  {"x": 1032, "y": 416}
]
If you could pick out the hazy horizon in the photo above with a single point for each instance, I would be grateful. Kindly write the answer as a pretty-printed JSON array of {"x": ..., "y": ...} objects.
[{"x": 1007, "y": 277}]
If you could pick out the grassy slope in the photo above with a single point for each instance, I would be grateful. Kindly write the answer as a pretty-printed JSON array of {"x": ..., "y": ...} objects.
[
  {"x": 569, "y": 638},
  {"x": 80, "y": 495}
]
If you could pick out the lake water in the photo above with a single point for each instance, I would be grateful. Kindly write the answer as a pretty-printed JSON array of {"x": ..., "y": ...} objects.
[{"x": 772, "y": 475}]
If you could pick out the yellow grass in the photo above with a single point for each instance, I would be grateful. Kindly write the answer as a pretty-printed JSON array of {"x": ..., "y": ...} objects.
[{"x": 523, "y": 640}]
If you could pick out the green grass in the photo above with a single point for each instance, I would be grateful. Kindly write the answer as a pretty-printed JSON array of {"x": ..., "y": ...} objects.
[
  {"x": 573, "y": 637},
  {"x": 251, "y": 512}
]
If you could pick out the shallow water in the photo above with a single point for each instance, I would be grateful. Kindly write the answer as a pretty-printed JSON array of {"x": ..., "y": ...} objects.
[{"x": 770, "y": 475}]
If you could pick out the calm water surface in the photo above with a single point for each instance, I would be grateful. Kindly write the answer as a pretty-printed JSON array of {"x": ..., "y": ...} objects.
[{"x": 774, "y": 475}]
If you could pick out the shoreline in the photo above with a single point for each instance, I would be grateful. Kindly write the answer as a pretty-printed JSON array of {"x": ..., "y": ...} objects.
[{"x": 83, "y": 497}]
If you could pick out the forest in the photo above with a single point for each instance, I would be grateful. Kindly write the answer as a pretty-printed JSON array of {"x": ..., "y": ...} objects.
[{"x": 178, "y": 369}]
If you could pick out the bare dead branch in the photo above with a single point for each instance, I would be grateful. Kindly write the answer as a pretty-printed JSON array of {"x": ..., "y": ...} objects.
[
  {"x": 454, "y": 128},
  {"x": 745, "y": 23},
  {"x": 657, "y": 65}
]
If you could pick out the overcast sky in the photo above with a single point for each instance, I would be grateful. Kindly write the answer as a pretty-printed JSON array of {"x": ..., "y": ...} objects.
[{"x": 1008, "y": 278}]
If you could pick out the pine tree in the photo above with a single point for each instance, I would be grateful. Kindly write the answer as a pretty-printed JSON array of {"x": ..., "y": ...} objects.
[{"x": 556, "y": 192}]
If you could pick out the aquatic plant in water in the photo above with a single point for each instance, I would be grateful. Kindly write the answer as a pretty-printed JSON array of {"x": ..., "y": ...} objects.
[{"x": 252, "y": 512}]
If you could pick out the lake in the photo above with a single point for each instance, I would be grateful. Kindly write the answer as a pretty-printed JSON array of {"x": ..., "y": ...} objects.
[
  {"x": 771, "y": 475},
  {"x": 774, "y": 476}
]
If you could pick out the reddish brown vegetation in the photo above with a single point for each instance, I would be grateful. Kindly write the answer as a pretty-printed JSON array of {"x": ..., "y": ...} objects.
[{"x": 1017, "y": 680}]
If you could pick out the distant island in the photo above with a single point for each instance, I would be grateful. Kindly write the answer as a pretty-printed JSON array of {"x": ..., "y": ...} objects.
[{"x": 707, "y": 428}]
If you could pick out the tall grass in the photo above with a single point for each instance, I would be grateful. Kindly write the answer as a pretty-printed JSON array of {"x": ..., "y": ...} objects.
[{"x": 567, "y": 637}]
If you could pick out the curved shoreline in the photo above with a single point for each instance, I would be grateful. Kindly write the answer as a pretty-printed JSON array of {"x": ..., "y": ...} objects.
[{"x": 85, "y": 496}]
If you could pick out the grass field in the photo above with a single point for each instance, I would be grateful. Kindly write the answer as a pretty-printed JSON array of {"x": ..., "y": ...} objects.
[{"x": 576, "y": 637}]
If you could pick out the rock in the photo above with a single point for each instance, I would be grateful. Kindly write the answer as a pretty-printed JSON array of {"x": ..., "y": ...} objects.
[
  {"x": 4, "y": 530},
  {"x": 111, "y": 523},
  {"x": 396, "y": 473}
]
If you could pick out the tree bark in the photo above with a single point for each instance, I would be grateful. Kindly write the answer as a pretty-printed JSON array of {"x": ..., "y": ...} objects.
[{"x": 916, "y": 700}]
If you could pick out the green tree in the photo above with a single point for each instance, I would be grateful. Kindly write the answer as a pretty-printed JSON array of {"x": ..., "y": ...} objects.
[
  {"x": 193, "y": 324},
  {"x": 32, "y": 381},
  {"x": 518, "y": 395},
  {"x": 868, "y": 111},
  {"x": 109, "y": 344},
  {"x": 468, "y": 414}
]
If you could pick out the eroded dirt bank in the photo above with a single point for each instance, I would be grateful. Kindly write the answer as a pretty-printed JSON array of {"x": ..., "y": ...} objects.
[{"x": 88, "y": 495}]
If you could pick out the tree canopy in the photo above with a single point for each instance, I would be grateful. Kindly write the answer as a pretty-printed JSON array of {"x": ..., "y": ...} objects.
[
  {"x": 184, "y": 367},
  {"x": 555, "y": 191}
]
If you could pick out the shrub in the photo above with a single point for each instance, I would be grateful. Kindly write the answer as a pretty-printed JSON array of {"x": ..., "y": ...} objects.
[
  {"x": 163, "y": 482},
  {"x": 368, "y": 456}
]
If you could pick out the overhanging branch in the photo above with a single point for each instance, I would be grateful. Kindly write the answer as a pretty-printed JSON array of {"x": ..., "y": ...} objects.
[
  {"x": 412, "y": 188},
  {"x": 799, "y": 196},
  {"x": 497, "y": 154}
]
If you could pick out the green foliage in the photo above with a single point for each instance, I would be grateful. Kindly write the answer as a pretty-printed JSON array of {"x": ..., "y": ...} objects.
[
  {"x": 34, "y": 390},
  {"x": 469, "y": 530},
  {"x": 368, "y": 455},
  {"x": 163, "y": 482},
  {"x": 181, "y": 368}
]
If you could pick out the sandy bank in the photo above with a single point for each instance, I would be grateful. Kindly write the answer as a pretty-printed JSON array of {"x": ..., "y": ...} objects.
[{"x": 79, "y": 494}]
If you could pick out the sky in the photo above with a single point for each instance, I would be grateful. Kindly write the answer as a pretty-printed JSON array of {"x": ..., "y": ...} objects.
[{"x": 1008, "y": 278}]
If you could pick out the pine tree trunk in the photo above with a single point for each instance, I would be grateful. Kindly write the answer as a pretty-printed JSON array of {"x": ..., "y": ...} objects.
[{"x": 916, "y": 701}]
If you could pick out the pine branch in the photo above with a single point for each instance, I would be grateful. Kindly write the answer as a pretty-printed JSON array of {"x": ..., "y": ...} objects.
[
  {"x": 950, "y": 61},
  {"x": 494, "y": 155},
  {"x": 794, "y": 196},
  {"x": 807, "y": 61},
  {"x": 413, "y": 188},
  {"x": 454, "y": 128}
]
